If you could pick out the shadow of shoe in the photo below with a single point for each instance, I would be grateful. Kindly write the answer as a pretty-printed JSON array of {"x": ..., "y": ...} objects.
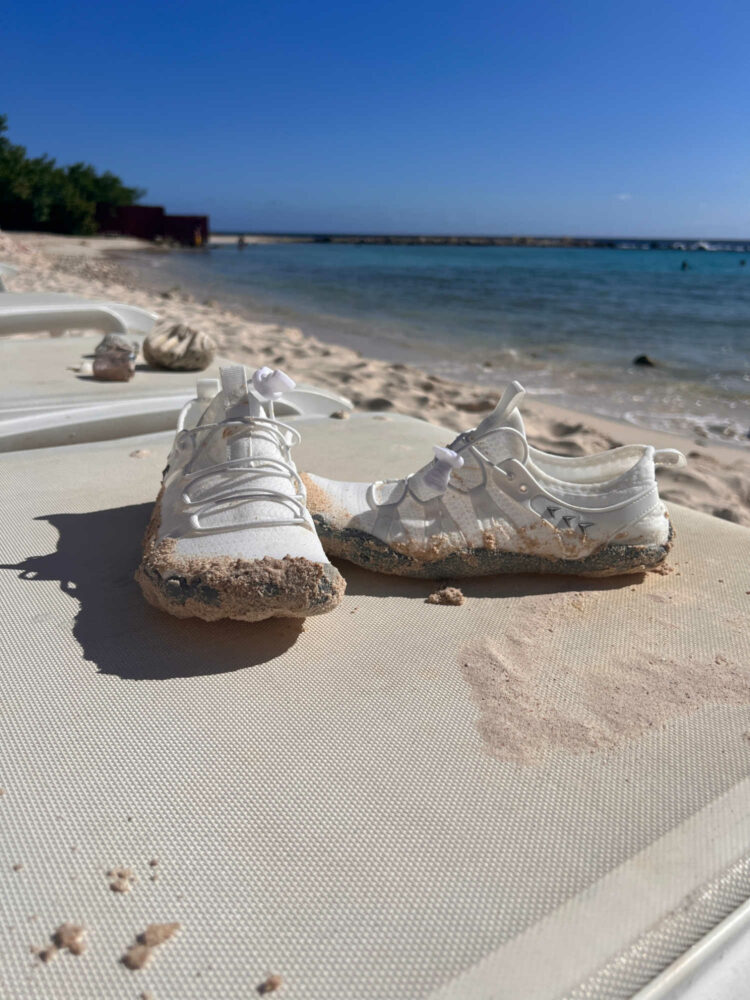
[{"x": 97, "y": 554}]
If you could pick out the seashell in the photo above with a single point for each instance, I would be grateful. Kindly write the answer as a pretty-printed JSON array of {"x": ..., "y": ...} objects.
[
  {"x": 116, "y": 342},
  {"x": 179, "y": 347}
]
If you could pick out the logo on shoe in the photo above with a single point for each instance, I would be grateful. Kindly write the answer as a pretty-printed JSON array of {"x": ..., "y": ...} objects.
[{"x": 559, "y": 517}]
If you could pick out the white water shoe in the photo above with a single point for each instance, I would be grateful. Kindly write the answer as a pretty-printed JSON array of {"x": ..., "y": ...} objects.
[
  {"x": 231, "y": 536},
  {"x": 489, "y": 503}
]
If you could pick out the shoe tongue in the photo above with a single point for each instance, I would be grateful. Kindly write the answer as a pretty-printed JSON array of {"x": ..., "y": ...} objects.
[
  {"x": 238, "y": 399},
  {"x": 235, "y": 399},
  {"x": 228, "y": 442}
]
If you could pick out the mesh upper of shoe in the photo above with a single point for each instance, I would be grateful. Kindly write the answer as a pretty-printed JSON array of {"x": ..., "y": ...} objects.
[
  {"x": 482, "y": 505},
  {"x": 231, "y": 487}
]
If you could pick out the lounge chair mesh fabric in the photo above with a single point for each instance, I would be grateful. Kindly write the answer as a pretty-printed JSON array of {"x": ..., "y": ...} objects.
[{"x": 319, "y": 799}]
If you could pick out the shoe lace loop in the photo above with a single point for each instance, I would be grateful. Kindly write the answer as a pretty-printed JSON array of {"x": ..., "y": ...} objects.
[{"x": 249, "y": 469}]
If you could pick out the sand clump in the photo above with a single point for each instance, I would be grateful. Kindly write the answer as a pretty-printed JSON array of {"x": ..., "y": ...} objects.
[
  {"x": 528, "y": 709},
  {"x": 489, "y": 540},
  {"x": 68, "y": 937},
  {"x": 270, "y": 985},
  {"x": 663, "y": 569},
  {"x": 139, "y": 955},
  {"x": 122, "y": 879},
  {"x": 156, "y": 934},
  {"x": 446, "y": 595}
]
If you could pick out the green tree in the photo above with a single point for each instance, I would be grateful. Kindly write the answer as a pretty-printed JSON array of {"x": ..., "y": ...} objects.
[{"x": 36, "y": 194}]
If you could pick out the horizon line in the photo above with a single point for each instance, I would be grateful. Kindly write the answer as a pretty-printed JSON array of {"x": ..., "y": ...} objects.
[{"x": 477, "y": 236}]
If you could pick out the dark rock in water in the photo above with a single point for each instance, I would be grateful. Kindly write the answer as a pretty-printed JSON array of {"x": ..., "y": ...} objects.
[
  {"x": 179, "y": 347},
  {"x": 727, "y": 514},
  {"x": 645, "y": 360},
  {"x": 117, "y": 342},
  {"x": 722, "y": 430}
]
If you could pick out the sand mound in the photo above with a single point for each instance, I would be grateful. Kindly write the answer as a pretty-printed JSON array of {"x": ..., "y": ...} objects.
[{"x": 527, "y": 709}]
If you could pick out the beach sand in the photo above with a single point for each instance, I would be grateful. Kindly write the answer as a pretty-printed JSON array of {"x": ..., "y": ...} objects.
[{"x": 717, "y": 479}]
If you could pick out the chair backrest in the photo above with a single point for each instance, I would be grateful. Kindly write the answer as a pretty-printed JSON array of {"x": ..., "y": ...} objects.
[{"x": 33, "y": 312}]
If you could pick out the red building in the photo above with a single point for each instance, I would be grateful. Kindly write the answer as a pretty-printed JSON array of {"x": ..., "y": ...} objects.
[{"x": 150, "y": 222}]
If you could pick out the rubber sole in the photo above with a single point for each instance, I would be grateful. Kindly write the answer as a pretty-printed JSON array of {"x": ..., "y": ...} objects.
[
  {"x": 371, "y": 553},
  {"x": 249, "y": 590}
]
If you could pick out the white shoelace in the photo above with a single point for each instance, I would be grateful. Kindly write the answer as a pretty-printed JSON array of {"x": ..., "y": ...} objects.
[{"x": 248, "y": 468}]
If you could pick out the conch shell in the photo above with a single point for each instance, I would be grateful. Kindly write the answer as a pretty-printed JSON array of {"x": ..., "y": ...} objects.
[{"x": 179, "y": 347}]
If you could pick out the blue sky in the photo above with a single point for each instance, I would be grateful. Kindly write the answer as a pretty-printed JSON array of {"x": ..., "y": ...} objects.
[{"x": 601, "y": 117}]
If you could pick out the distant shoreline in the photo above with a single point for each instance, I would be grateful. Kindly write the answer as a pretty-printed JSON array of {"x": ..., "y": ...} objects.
[
  {"x": 554, "y": 242},
  {"x": 101, "y": 244}
]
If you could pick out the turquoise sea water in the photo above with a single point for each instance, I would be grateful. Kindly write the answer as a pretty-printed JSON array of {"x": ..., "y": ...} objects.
[{"x": 566, "y": 321}]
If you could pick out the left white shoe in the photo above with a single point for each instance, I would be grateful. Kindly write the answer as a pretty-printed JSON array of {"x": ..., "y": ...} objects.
[
  {"x": 231, "y": 536},
  {"x": 489, "y": 503}
]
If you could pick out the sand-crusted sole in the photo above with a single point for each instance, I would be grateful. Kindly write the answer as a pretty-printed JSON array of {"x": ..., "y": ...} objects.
[
  {"x": 247, "y": 590},
  {"x": 371, "y": 553}
]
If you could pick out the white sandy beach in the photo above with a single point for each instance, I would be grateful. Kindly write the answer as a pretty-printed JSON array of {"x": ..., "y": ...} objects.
[{"x": 717, "y": 479}]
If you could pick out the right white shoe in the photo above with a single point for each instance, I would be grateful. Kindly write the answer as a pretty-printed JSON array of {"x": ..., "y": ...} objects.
[
  {"x": 231, "y": 536},
  {"x": 489, "y": 503}
]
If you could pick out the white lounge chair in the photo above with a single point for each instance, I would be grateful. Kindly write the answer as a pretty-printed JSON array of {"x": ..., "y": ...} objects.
[
  {"x": 6, "y": 271},
  {"x": 36, "y": 312},
  {"x": 45, "y": 404},
  {"x": 323, "y": 803}
]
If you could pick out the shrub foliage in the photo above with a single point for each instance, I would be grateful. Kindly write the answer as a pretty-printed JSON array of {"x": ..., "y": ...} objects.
[{"x": 36, "y": 194}]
